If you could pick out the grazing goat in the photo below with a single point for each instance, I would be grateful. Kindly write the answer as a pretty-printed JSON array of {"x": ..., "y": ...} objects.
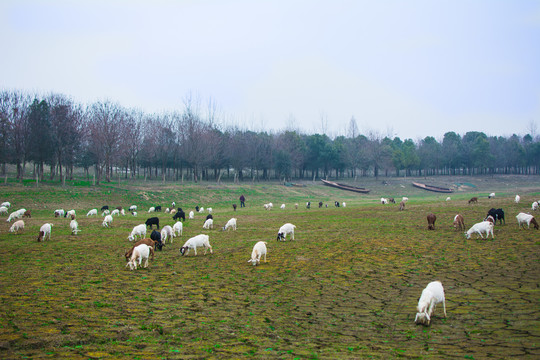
[
  {"x": 308, "y": 205},
  {"x": 115, "y": 212},
  {"x": 167, "y": 233},
  {"x": 448, "y": 198},
  {"x": 45, "y": 232},
  {"x": 197, "y": 208},
  {"x": 152, "y": 221},
  {"x": 284, "y": 230},
  {"x": 498, "y": 214},
  {"x": 59, "y": 213},
  {"x": 528, "y": 219},
  {"x": 479, "y": 228},
  {"x": 201, "y": 240},
  {"x": 156, "y": 236},
  {"x": 201, "y": 210},
  {"x": 104, "y": 207},
  {"x": 139, "y": 230},
  {"x": 336, "y": 203},
  {"x": 152, "y": 209},
  {"x": 17, "y": 225},
  {"x": 405, "y": 199},
  {"x": 91, "y": 212},
  {"x": 134, "y": 213},
  {"x": 391, "y": 200},
  {"x": 402, "y": 205},
  {"x": 180, "y": 215},
  {"x": 16, "y": 215},
  {"x": 517, "y": 199},
  {"x": 3, "y": 210},
  {"x": 344, "y": 204},
  {"x": 145, "y": 241},
  {"x": 27, "y": 214},
  {"x": 230, "y": 224},
  {"x": 132, "y": 208},
  {"x": 178, "y": 228},
  {"x": 459, "y": 223},
  {"x": 191, "y": 215},
  {"x": 208, "y": 224},
  {"x": 282, "y": 207},
  {"x": 173, "y": 211},
  {"x": 258, "y": 250},
  {"x": 209, "y": 210},
  {"x": 6, "y": 204},
  {"x": 432, "y": 295},
  {"x": 70, "y": 213},
  {"x": 535, "y": 205},
  {"x": 107, "y": 221},
  {"x": 491, "y": 196},
  {"x": 384, "y": 201},
  {"x": 141, "y": 252},
  {"x": 74, "y": 225},
  {"x": 431, "y": 218},
  {"x": 157, "y": 208},
  {"x": 320, "y": 204},
  {"x": 473, "y": 200}
]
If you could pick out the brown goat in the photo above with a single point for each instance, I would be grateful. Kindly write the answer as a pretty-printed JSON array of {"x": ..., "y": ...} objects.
[
  {"x": 533, "y": 221},
  {"x": 473, "y": 200},
  {"x": 402, "y": 205},
  {"x": 27, "y": 214},
  {"x": 146, "y": 241},
  {"x": 431, "y": 221},
  {"x": 459, "y": 223}
]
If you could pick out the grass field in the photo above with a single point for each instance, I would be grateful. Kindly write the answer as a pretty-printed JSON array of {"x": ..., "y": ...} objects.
[{"x": 345, "y": 288}]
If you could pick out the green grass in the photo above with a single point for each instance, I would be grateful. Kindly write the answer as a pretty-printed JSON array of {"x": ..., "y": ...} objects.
[{"x": 346, "y": 288}]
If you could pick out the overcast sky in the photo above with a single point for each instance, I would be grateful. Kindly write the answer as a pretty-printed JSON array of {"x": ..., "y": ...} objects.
[{"x": 401, "y": 68}]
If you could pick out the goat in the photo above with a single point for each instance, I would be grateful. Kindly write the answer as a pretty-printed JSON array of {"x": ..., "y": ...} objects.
[
  {"x": 174, "y": 211},
  {"x": 208, "y": 224},
  {"x": 479, "y": 228},
  {"x": 167, "y": 233},
  {"x": 405, "y": 199},
  {"x": 344, "y": 204},
  {"x": 104, "y": 207},
  {"x": 152, "y": 209},
  {"x": 141, "y": 252},
  {"x": 178, "y": 228},
  {"x": 3, "y": 210},
  {"x": 473, "y": 200},
  {"x": 320, "y": 204},
  {"x": 391, "y": 200},
  {"x": 459, "y": 222},
  {"x": 173, "y": 204},
  {"x": 336, "y": 203},
  {"x": 308, "y": 205},
  {"x": 528, "y": 219},
  {"x": 16, "y": 215},
  {"x": 134, "y": 213},
  {"x": 384, "y": 201},
  {"x": 201, "y": 240},
  {"x": 517, "y": 199},
  {"x": 105, "y": 213},
  {"x": 146, "y": 241},
  {"x": 6, "y": 204},
  {"x": 45, "y": 232},
  {"x": 296, "y": 205},
  {"x": 431, "y": 218},
  {"x": 432, "y": 295},
  {"x": 107, "y": 221},
  {"x": 132, "y": 208},
  {"x": 167, "y": 211},
  {"x": 74, "y": 225},
  {"x": 209, "y": 210},
  {"x": 91, "y": 212},
  {"x": 69, "y": 213},
  {"x": 115, "y": 212},
  {"x": 17, "y": 225},
  {"x": 491, "y": 196},
  {"x": 535, "y": 205},
  {"x": 152, "y": 221},
  {"x": 230, "y": 224},
  {"x": 498, "y": 214},
  {"x": 123, "y": 212},
  {"x": 284, "y": 230},
  {"x": 448, "y": 198},
  {"x": 139, "y": 230},
  {"x": 282, "y": 207},
  {"x": 491, "y": 219},
  {"x": 59, "y": 213},
  {"x": 157, "y": 208},
  {"x": 180, "y": 215},
  {"x": 191, "y": 215},
  {"x": 156, "y": 236},
  {"x": 258, "y": 250},
  {"x": 197, "y": 208},
  {"x": 201, "y": 210},
  {"x": 402, "y": 205}
]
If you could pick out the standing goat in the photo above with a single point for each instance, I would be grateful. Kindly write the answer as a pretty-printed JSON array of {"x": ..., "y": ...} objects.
[
  {"x": 201, "y": 240},
  {"x": 45, "y": 232},
  {"x": 528, "y": 219},
  {"x": 141, "y": 252},
  {"x": 479, "y": 228},
  {"x": 258, "y": 250},
  {"x": 431, "y": 218},
  {"x": 459, "y": 222},
  {"x": 431, "y": 296}
]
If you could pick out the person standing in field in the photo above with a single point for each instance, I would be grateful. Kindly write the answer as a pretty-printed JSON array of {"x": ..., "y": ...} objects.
[{"x": 242, "y": 201}]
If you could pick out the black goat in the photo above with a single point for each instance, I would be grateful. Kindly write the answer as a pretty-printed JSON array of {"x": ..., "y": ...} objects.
[
  {"x": 180, "y": 215},
  {"x": 104, "y": 207},
  {"x": 152, "y": 221},
  {"x": 498, "y": 214},
  {"x": 156, "y": 236}
]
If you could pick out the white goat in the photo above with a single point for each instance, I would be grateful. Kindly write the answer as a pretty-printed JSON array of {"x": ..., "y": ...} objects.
[
  {"x": 167, "y": 233},
  {"x": 17, "y": 225},
  {"x": 208, "y": 224},
  {"x": 201, "y": 210},
  {"x": 178, "y": 228},
  {"x": 195, "y": 242},
  {"x": 191, "y": 215},
  {"x": 284, "y": 230},
  {"x": 492, "y": 195},
  {"x": 517, "y": 199},
  {"x": 123, "y": 212},
  {"x": 405, "y": 199},
  {"x": 230, "y": 224},
  {"x": 134, "y": 213},
  {"x": 74, "y": 225},
  {"x": 107, "y": 221},
  {"x": 6, "y": 204},
  {"x": 115, "y": 212},
  {"x": 448, "y": 198},
  {"x": 16, "y": 215},
  {"x": 209, "y": 210},
  {"x": 535, "y": 205},
  {"x": 344, "y": 204},
  {"x": 91, "y": 212},
  {"x": 59, "y": 213},
  {"x": 141, "y": 252},
  {"x": 523, "y": 219},
  {"x": 431, "y": 296},
  {"x": 479, "y": 228},
  {"x": 258, "y": 250},
  {"x": 282, "y": 206},
  {"x": 45, "y": 232},
  {"x": 132, "y": 208},
  {"x": 70, "y": 213},
  {"x": 139, "y": 230},
  {"x": 384, "y": 201},
  {"x": 152, "y": 209},
  {"x": 167, "y": 211},
  {"x": 105, "y": 212},
  {"x": 3, "y": 210}
]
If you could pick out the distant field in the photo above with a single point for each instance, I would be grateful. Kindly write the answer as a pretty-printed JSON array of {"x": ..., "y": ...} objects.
[{"x": 346, "y": 288}]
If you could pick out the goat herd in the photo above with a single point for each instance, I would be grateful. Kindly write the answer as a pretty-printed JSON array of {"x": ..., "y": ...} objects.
[{"x": 144, "y": 248}]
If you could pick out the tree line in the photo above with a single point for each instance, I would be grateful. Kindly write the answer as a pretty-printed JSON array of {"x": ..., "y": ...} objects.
[{"x": 55, "y": 133}]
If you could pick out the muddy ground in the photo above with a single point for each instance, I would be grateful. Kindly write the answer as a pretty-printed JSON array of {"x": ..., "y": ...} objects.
[{"x": 346, "y": 288}]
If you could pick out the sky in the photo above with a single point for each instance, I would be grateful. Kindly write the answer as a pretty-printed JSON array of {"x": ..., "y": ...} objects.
[{"x": 400, "y": 68}]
